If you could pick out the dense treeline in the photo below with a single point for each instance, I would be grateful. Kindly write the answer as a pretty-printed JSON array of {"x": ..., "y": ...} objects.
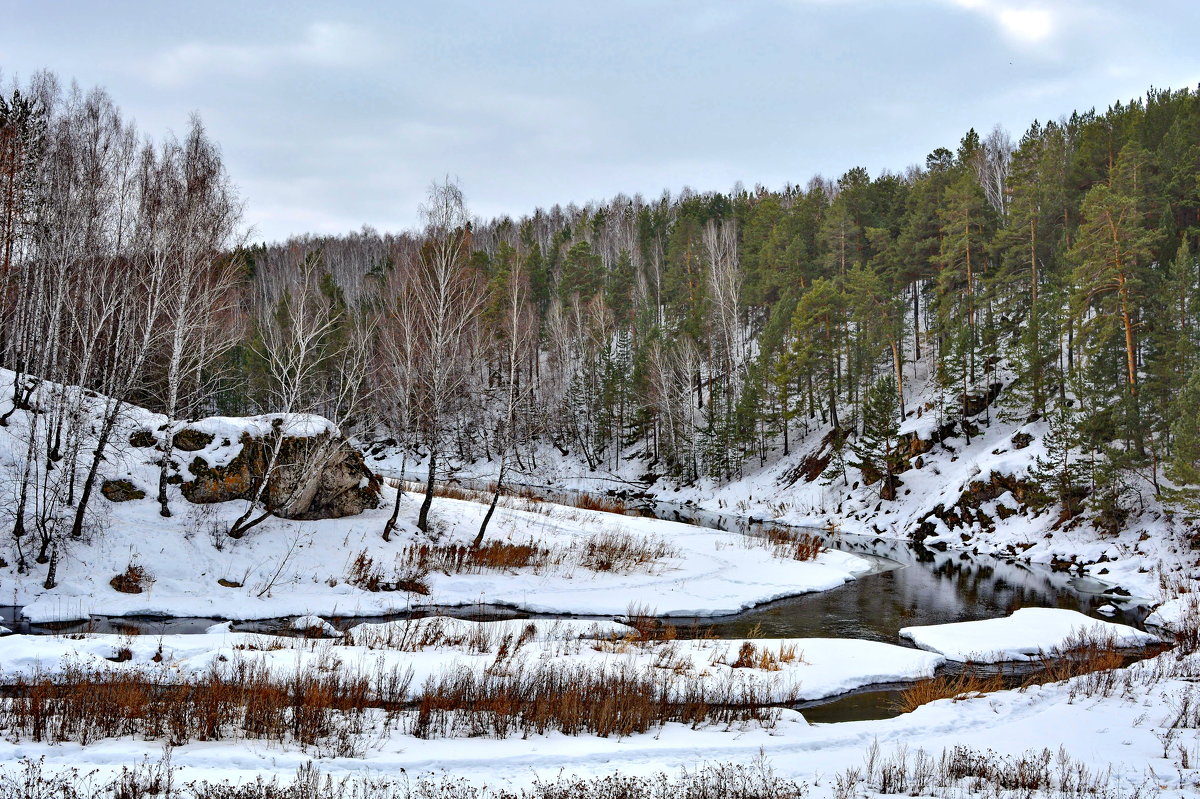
[
  {"x": 701, "y": 332},
  {"x": 705, "y": 331}
]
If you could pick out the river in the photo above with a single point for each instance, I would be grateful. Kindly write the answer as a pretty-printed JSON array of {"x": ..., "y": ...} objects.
[{"x": 910, "y": 585}]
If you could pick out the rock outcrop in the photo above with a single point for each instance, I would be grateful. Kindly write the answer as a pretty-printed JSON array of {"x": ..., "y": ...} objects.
[
  {"x": 121, "y": 491},
  {"x": 311, "y": 476}
]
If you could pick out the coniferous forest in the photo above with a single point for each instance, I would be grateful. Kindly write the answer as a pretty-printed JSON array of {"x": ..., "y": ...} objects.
[{"x": 1051, "y": 275}]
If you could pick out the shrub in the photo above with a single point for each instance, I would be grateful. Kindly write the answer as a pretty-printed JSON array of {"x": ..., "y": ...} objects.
[
  {"x": 366, "y": 574},
  {"x": 134, "y": 580},
  {"x": 615, "y": 551},
  {"x": 787, "y": 543}
]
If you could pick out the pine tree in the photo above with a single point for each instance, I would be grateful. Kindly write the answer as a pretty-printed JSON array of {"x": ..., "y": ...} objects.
[
  {"x": 815, "y": 352},
  {"x": 1112, "y": 248},
  {"x": 838, "y": 462},
  {"x": 963, "y": 255},
  {"x": 1031, "y": 245}
]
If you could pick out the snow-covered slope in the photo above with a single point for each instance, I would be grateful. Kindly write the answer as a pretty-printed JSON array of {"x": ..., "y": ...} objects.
[
  {"x": 186, "y": 565},
  {"x": 975, "y": 495}
]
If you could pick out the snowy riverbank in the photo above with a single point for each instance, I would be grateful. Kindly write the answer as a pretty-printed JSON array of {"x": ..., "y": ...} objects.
[{"x": 1112, "y": 725}]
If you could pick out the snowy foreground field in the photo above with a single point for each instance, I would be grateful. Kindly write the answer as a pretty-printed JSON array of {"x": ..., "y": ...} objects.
[
  {"x": 396, "y": 717},
  {"x": 1121, "y": 732}
]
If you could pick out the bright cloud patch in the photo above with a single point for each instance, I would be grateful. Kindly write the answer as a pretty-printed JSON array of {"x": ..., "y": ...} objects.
[{"x": 1026, "y": 24}]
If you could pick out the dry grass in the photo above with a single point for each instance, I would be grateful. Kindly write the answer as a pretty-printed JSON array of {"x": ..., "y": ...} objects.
[
  {"x": 1186, "y": 629},
  {"x": 968, "y": 684},
  {"x": 30, "y": 779},
  {"x": 1092, "y": 666},
  {"x": 338, "y": 711},
  {"x": 597, "y": 503},
  {"x": 462, "y": 559},
  {"x": 785, "y": 543},
  {"x": 580, "y": 699},
  {"x": 616, "y": 551},
  {"x": 612, "y": 551},
  {"x": 1080, "y": 655},
  {"x": 961, "y": 772},
  {"x": 366, "y": 574},
  {"x": 651, "y": 627},
  {"x": 751, "y": 656},
  {"x": 314, "y": 706},
  {"x": 416, "y": 635}
]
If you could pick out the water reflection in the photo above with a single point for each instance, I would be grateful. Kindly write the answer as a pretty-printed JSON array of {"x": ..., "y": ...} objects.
[{"x": 915, "y": 586}]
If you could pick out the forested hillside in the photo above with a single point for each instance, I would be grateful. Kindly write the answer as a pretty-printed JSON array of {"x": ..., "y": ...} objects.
[{"x": 694, "y": 335}]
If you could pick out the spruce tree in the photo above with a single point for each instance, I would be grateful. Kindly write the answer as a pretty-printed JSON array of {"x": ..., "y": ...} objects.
[
  {"x": 1183, "y": 469},
  {"x": 1060, "y": 470},
  {"x": 875, "y": 450}
]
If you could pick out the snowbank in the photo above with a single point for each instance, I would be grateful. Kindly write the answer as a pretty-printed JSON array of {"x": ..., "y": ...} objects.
[
  {"x": 1027, "y": 632},
  {"x": 1175, "y": 614},
  {"x": 446, "y": 628},
  {"x": 314, "y": 624},
  {"x": 285, "y": 568},
  {"x": 1109, "y": 734}
]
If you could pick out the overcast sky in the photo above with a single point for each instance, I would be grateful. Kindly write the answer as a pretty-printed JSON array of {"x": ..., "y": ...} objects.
[{"x": 335, "y": 115}]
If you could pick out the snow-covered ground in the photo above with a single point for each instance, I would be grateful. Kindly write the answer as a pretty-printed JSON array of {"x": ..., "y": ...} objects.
[
  {"x": 1123, "y": 723},
  {"x": 295, "y": 568},
  {"x": 800, "y": 668},
  {"x": 289, "y": 568},
  {"x": 301, "y": 569},
  {"x": 1146, "y": 553}
]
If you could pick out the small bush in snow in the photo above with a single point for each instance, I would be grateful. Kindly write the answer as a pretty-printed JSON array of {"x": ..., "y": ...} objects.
[{"x": 134, "y": 580}]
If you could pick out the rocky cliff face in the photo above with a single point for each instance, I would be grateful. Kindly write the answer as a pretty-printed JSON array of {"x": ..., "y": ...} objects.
[{"x": 313, "y": 476}]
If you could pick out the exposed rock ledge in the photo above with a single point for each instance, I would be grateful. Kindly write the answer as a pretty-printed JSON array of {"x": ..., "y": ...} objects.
[{"x": 317, "y": 473}]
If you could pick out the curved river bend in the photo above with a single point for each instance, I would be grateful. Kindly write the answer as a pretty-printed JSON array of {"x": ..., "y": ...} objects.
[{"x": 911, "y": 585}]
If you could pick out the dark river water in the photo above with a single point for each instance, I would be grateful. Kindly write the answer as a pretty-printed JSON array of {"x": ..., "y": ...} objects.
[{"x": 911, "y": 585}]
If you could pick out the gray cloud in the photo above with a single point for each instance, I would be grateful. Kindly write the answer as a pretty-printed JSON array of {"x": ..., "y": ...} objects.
[{"x": 335, "y": 116}]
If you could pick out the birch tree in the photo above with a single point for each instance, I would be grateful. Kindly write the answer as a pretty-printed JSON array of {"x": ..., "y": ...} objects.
[
  {"x": 449, "y": 296},
  {"x": 396, "y": 365},
  {"x": 515, "y": 340},
  {"x": 297, "y": 344},
  {"x": 200, "y": 218}
]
